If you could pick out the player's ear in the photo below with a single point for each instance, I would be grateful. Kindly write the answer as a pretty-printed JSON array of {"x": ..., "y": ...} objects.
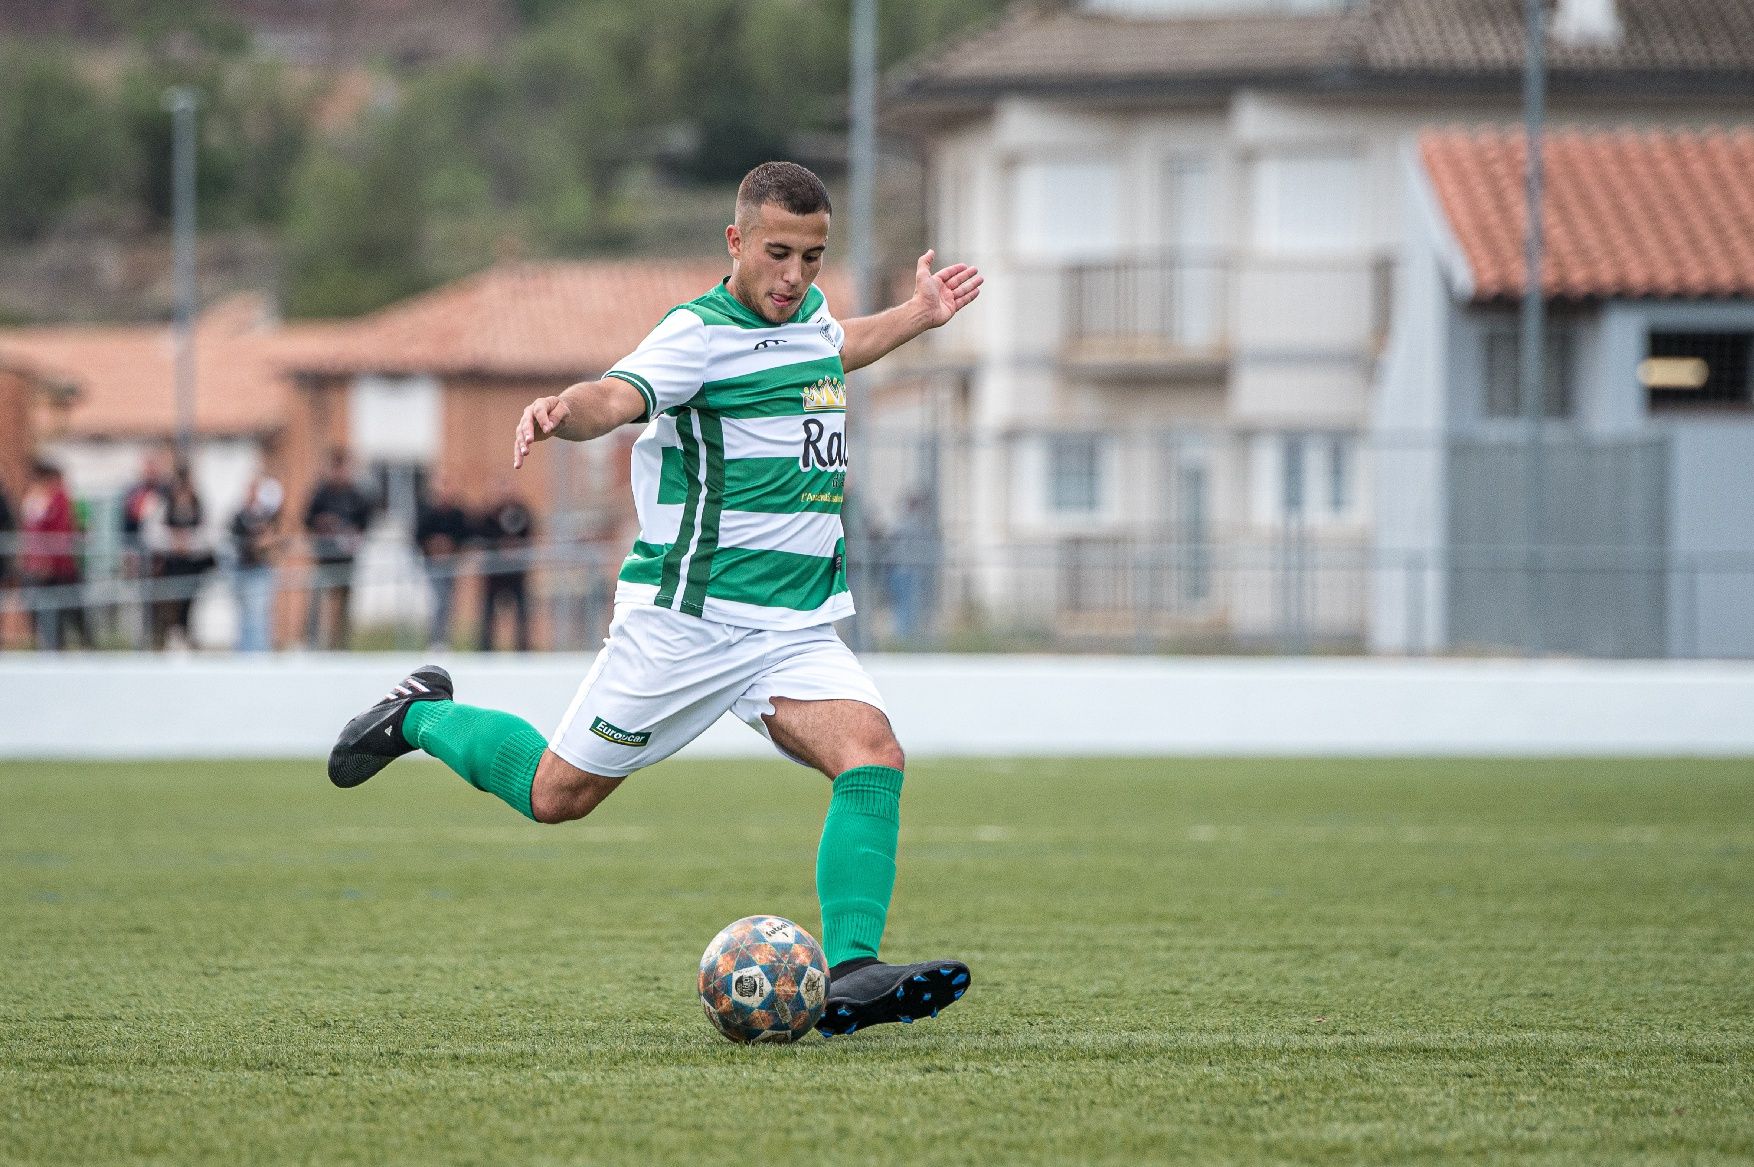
[{"x": 734, "y": 241}]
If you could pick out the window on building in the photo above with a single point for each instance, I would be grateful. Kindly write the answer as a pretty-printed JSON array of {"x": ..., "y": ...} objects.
[
  {"x": 953, "y": 225},
  {"x": 1194, "y": 276},
  {"x": 1304, "y": 477},
  {"x": 1339, "y": 450},
  {"x": 1066, "y": 209},
  {"x": 1691, "y": 369},
  {"x": 1291, "y": 476},
  {"x": 1075, "y": 465},
  {"x": 395, "y": 419},
  {"x": 1310, "y": 201},
  {"x": 1503, "y": 357},
  {"x": 1193, "y": 523},
  {"x": 1189, "y": 210}
]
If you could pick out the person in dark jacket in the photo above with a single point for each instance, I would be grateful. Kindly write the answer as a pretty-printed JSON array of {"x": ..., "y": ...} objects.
[
  {"x": 171, "y": 529},
  {"x": 335, "y": 520},
  {"x": 8, "y": 537},
  {"x": 441, "y": 531},
  {"x": 507, "y": 531}
]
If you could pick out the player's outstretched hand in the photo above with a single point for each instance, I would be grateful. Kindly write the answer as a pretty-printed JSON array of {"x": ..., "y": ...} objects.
[
  {"x": 541, "y": 418},
  {"x": 943, "y": 294}
]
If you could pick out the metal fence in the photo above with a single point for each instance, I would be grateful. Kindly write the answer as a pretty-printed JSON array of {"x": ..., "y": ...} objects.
[{"x": 1218, "y": 540}]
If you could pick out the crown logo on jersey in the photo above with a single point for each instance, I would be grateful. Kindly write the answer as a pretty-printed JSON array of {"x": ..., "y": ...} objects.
[{"x": 828, "y": 393}]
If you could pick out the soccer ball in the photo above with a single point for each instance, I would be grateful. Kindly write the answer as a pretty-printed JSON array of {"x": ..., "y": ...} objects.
[{"x": 763, "y": 979}]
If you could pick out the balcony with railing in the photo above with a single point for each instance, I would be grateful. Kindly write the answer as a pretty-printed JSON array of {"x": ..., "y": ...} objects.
[{"x": 1192, "y": 312}]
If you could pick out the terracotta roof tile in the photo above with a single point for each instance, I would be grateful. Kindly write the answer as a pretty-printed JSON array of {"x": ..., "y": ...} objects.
[
  {"x": 1082, "y": 45},
  {"x": 1032, "y": 49},
  {"x": 1487, "y": 36},
  {"x": 1368, "y": 44},
  {"x": 1627, "y": 214},
  {"x": 559, "y": 320},
  {"x": 571, "y": 319},
  {"x": 124, "y": 376}
]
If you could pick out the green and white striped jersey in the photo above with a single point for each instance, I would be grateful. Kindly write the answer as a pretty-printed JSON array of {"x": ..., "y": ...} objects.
[{"x": 739, "y": 475}]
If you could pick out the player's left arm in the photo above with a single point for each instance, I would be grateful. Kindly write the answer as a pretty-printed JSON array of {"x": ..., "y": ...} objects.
[{"x": 937, "y": 297}]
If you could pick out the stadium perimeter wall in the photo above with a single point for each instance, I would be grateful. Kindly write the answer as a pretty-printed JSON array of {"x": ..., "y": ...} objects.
[{"x": 137, "y": 707}]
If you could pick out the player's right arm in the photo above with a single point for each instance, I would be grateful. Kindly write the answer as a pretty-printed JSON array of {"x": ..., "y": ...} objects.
[
  {"x": 578, "y": 413},
  {"x": 666, "y": 370}
]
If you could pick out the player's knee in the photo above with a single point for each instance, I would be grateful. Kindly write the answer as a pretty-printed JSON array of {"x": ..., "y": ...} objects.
[
  {"x": 888, "y": 753},
  {"x": 558, "y": 808},
  {"x": 561, "y": 793},
  {"x": 546, "y": 809}
]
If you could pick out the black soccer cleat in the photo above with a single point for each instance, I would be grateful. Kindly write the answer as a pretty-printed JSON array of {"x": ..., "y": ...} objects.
[
  {"x": 866, "y": 993},
  {"x": 374, "y": 739}
]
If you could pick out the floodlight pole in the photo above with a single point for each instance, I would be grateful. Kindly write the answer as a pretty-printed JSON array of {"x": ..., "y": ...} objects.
[
  {"x": 862, "y": 157},
  {"x": 861, "y": 218},
  {"x": 1531, "y": 363},
  {"x": 181, "y": 101}
]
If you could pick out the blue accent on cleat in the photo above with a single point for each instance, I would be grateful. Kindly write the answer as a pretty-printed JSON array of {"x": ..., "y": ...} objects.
[{"x": 875, "y": 993}]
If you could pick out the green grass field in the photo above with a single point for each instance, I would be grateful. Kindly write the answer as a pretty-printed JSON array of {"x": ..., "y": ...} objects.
[{"x": 1201, "y": 962}]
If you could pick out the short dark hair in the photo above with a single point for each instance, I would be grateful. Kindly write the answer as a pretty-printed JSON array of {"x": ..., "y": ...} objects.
[{"x": 785, "y": 184}]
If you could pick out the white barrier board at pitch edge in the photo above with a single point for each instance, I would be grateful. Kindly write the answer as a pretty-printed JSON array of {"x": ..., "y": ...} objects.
[{"x": 138, "y": 706}]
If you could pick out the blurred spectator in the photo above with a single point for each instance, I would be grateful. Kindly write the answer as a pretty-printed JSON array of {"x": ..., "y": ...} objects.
[
  {"x": 336, "y": 520},
  {"x": 48, "y": 560},
  {"x": 171, "y": 530},
  {"x": 507, "y": 531},
  {"x": 154, "y": 484},
  {"x": 441, "y": 532},
  {"x": 256, "y": 543},
  {"x": 911, "y": 552},
  {"x": 8, "y": 557},
  {"x": 8, "y": 537},
  {"x": 152, "y": 487}
]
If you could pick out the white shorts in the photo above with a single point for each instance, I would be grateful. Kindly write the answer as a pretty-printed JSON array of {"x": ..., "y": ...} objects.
[{"x": 663, "y": 677}]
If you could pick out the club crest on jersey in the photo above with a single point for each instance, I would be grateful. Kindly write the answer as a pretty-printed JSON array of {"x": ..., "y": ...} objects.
[{"x": 828, "y": 393}]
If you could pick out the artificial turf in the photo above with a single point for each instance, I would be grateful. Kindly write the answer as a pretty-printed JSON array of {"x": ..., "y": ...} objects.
[{"x": 1189, "y": 961}]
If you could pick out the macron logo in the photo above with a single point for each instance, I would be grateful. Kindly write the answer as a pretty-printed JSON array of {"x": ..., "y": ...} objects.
[{"x": 767, "y": 344}]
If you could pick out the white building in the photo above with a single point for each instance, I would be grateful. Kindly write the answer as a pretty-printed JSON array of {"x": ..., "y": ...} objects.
[
  {"x": 1644, "y": 512},
  {"x": 1189, "y": 212}
]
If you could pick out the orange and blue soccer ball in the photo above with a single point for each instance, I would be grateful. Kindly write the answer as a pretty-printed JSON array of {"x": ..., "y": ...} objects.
[{"x": 763, "y": 979}]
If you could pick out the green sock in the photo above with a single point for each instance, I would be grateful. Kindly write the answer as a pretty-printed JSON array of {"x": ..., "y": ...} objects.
[
  {"x": 855, "y": 864},
  {"x": 493, "y": 751}
]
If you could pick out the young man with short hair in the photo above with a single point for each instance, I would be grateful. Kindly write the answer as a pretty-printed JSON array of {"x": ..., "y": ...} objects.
[{"x": 727, "y": 599}]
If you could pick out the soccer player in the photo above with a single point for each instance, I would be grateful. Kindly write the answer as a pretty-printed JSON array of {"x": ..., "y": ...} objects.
[{"x": 727, "y": 599}]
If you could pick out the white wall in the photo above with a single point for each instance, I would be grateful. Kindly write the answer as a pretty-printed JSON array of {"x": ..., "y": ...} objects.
[
  {"x": 941, "y": 705},
  {"x": 1711, "y": 502},
  {"x": 1409, "y": 418}
]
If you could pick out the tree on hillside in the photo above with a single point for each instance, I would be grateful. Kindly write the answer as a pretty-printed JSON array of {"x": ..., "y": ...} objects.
[{"x": 57, "y": 140}]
